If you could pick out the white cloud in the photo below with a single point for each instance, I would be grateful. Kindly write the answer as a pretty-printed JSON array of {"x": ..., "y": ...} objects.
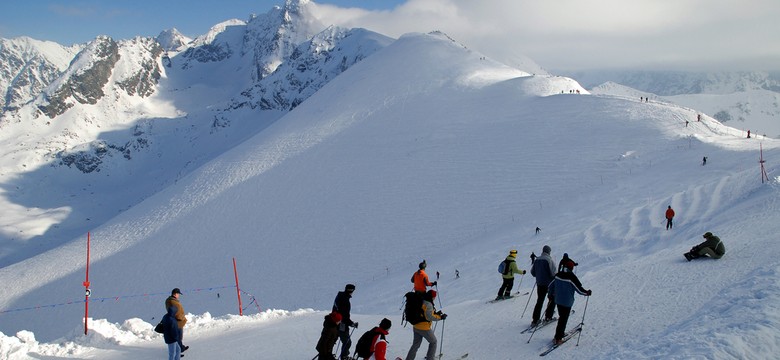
[{"x": 571, "y": 34}]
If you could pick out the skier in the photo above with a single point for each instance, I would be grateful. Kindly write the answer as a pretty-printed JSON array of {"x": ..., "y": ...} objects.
[
  {"x": 563, "y": 259},
  {"x": 669, "y": 217},
  {"x": 543, "y": 270},
  {"x": 420, "y": 279},
  {"x": 704, "y": 161},
  {"x": 711, "y": 247},
  {"x": 423, "y": 328},
  {"x": 342, "y": 306},
  {"x": 328, "y": 337},
  {"x": 562, "y": 292},
  {"x": 377, "y": 345},
  {"x": 510, "y": 269}
]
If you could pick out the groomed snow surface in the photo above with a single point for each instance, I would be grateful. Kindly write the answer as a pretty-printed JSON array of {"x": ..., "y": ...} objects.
[{"x": 426, "y": 150}]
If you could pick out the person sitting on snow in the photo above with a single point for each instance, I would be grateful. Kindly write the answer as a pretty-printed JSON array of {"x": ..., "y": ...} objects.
[{"x": 711, "y": 247}]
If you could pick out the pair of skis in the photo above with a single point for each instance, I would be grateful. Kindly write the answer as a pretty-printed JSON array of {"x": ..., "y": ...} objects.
[
  {"x": 569, "y": 335},
  {"x": 540, "y": 325},
  {"x": 514, "y": 295},
  {"x": 464, "y": 356}
]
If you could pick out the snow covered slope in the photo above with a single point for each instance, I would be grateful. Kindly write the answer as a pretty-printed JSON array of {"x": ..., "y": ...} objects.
[
  {"x": 427, "y": 150},
  {"x": 743, "y": 100}
]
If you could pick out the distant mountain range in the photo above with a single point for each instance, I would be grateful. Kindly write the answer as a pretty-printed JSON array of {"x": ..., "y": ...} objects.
[{"x": 118, "y": 107}]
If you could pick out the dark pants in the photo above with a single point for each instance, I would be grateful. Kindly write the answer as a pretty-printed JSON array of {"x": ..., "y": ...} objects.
[
  {"x": 541, "y": 295},
  {"x": 563, "y": 318},
  {"x": 506, "y": 287},
  {"x": 668, "y": 224},
  {"x": 346, "y": 342}
]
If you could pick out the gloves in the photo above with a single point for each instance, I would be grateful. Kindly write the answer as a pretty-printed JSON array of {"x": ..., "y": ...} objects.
[
  {"x": 522, "y": 272},
  {"x": 355, "y": 324},
  {"x": 434, "y": 283},
  {"x": 589, "y": 292},
  {"x": 443, "y": 316}
]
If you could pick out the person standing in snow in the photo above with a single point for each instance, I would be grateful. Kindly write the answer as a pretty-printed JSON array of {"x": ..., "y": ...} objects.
[
  {"x": 423, "y": 328},
  {"x": 669, "y": 217},
  {"x": 328, "y": 337},
  {"x": 342, "y": 306},
  {"x": 508, "y": 276},
  {"x": 565, "y": 258},
  {"x": 543, "y": 270},
  {"x": 181, "y": 320},
  {"x": 172, "y": 333},
  {"x": 378, "y": 346},
  {"x": 711, "y": 247},
  {"x": 420, "y": 279},
  {"x": 562, "y": 292}
]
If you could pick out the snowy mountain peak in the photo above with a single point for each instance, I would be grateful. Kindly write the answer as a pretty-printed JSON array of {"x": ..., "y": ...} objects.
[
  {"x": 84, "y": 80},
  {"x": 27, "y": 66},
  {"x": 173, "y": 40}
]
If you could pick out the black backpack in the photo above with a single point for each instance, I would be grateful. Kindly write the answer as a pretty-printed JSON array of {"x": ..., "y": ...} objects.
[
  {"x": 363, "y": 347},
  {"x": 413, "y": 312}
]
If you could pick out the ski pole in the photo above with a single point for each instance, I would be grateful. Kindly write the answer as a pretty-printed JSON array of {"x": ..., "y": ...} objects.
[
  {"x": 529, "y": 300},
  {"x": 532, "y": 335},
  {"x": 441, "y": 343},
  {"x": 438, "y": 294},
  {"x": 582, "y": 322},
  {"x": 521, "y": 282},
  {"x": 342, "y": 342}
]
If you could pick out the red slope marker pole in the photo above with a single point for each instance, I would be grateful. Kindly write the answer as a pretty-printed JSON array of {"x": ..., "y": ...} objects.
[
  {"x": 86, "y": 290},
  {"x": 238, "y": 290}
]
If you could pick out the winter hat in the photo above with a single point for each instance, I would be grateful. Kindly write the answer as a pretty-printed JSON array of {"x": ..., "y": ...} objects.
[
  {"x": 432, "y": 294},
  {"x": 175, "y": 291},
  {"x": 422, "y": 265},
  {"x": 546, "y": 249},
  {"x": 707, "y": 234},
  {"x": 385, "y": 324},
  {"x": 513, "y": 252},
  {"x": 568, "y": 264},
  {"x": 349, "y": 287},
  {"x": 336, "y": 317}
]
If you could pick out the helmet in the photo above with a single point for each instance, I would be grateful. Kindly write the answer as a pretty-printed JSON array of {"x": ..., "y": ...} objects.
[{"x": 513, "y": 252}]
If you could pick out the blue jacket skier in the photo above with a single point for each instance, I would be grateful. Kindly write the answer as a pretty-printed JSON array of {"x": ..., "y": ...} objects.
[{"x": 562, "y": 290}]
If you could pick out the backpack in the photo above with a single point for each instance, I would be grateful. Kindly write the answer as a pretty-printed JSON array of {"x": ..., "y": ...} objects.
[
  {"x": 504, "y": 267},
  {"x": 363, "y": 347},
  {"x": 160, "y": 328},
  {"x": 413, "y": 312}
]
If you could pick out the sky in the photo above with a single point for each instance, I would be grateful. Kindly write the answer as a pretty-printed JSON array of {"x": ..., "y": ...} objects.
[
  {"x": 424, "y": 150},
  {"x": 565, "y": 35}
]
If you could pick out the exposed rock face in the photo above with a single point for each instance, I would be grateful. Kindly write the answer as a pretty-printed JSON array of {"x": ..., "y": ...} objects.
[
  {"x": 145, "y": 78},
  {"x": 84, "y": 80}
]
